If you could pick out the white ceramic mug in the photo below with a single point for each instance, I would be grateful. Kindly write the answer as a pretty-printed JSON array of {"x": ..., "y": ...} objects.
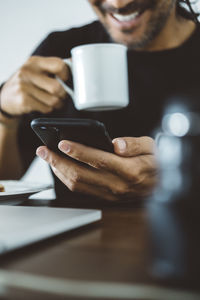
[{"x": 100, "y": 77}]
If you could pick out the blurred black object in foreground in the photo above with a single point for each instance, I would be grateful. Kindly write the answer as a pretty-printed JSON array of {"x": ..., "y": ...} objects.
[{"x": 174, "y": 209}]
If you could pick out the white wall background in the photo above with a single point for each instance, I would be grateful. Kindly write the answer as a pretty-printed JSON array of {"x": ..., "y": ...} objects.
[{"x": 23, "y": 24}]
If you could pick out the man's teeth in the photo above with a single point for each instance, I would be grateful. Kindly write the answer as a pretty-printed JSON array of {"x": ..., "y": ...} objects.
[{"x": 126, "y": 18}]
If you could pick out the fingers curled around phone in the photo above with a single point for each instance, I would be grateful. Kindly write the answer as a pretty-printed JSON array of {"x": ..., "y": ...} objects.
[
  {"x": 105, "y": 175},
  {"x": 91, "y": 156},
  {"x": 80, "y": 178},
  {"x": 134, "y": 146},
  {"x": 130, "y": 168}
]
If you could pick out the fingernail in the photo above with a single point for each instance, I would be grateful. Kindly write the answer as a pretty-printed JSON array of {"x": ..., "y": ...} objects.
[
  {"x": 42, "y": 153},
  {"x": 63, "y": 146},
  {"x": 121, "y": 144}
]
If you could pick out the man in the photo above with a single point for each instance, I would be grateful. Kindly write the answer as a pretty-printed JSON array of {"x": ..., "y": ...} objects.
[{"x": 164, "y": 44}]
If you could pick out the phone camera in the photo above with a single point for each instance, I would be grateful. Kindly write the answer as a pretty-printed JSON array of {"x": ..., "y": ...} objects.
[{"x": 55, "y": 129}]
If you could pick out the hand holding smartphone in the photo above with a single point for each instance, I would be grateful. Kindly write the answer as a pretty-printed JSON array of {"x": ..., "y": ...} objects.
[{"x": 88, "y": 132}]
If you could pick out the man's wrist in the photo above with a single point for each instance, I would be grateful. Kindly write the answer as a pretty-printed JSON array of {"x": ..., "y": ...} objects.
[
  {"x": 7, "y": 120},
  {"x": 9, "y": 123},
  {"x": 4, "y": 113}
]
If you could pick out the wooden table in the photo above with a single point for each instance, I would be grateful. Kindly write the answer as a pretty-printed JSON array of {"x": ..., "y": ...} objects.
[{"x": 114, "y": 250}]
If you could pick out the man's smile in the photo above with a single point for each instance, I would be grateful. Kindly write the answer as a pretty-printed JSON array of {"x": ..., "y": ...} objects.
[
  {"x": 128, "y": 16},
  {"x": 125, "y": 22}
]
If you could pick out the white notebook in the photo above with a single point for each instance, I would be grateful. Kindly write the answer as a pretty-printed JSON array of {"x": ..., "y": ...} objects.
[{"x": 20, "y": 226}]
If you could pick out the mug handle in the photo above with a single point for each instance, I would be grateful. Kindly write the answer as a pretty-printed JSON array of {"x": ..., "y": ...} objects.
[{"x": 64, "y": 85}]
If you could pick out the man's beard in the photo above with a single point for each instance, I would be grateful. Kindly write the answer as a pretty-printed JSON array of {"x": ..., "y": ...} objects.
[{"x": 153, "y": 27}]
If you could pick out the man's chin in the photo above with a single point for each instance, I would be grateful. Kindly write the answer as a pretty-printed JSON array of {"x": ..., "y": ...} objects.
[
  {"x": 133, "y": 39},
  {"x": 129, "y": 40}
]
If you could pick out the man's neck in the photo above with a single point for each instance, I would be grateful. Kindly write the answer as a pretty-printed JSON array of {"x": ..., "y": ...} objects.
[{"x": 176, "y": 31}]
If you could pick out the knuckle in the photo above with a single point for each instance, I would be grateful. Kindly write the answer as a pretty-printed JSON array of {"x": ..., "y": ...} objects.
[
  {"x": 134, "y": 178},
  {"x": 133, "y": 171},
  {"x": 53, "y": 162},
  {"x": 20, "y": 74},
  {"x": 140, "y": 182},
  {"x": 55, "y": 88},
  {"x": 132, "y": 175},
  {"x": 150, "y": 144},
  {"x": 60, "y": 66},
  {"x": 24, "y": 108},
  {"x": 55, "y": 101},
  {"x": 76, "y": 155},
  {"x": 100, "y": 163},
  {"x": 120, "y": 189},
  {"x": 137, "y": 145},
  {"x": 23, "y": 69},
  {"x": 149, "y": 140},
  {"x": 75, "y": 177},
  {"x": 123, "y": 190},
  {"x": 20, "y": 88},
  {"x": 22, "y": 99},
  {"x": 135, "y": 174},
  {"x": 31, "y": 60},
  {"x": 56, "y": 172},
  {"x": 72, "y": 186},
  {"x": 74, "y": 181}
]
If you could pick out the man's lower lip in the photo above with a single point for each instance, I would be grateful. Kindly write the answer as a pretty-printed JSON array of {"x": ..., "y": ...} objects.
[{"x": 125, "y": 25}]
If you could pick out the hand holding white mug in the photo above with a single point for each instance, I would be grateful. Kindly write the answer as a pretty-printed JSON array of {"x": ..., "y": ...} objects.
[
  {"x": 33, "y": 88},
  {"x": 100, "y": 78}
]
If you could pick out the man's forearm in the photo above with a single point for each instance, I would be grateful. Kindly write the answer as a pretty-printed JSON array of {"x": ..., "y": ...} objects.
[{"x": 11, "y": 166}]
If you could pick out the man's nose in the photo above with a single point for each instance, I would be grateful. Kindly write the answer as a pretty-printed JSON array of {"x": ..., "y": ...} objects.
[{"x": 118, "y": 3}]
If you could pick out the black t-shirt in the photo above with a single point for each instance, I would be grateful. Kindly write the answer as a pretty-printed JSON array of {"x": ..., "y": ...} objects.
[{"x": 155, "y": 79}]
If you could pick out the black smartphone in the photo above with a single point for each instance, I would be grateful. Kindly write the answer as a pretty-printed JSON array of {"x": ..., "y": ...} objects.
[{"x": 91, "y": 133}]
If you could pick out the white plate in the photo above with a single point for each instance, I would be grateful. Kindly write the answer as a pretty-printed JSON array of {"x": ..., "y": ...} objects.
[{"x": 16, "y": 189}]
